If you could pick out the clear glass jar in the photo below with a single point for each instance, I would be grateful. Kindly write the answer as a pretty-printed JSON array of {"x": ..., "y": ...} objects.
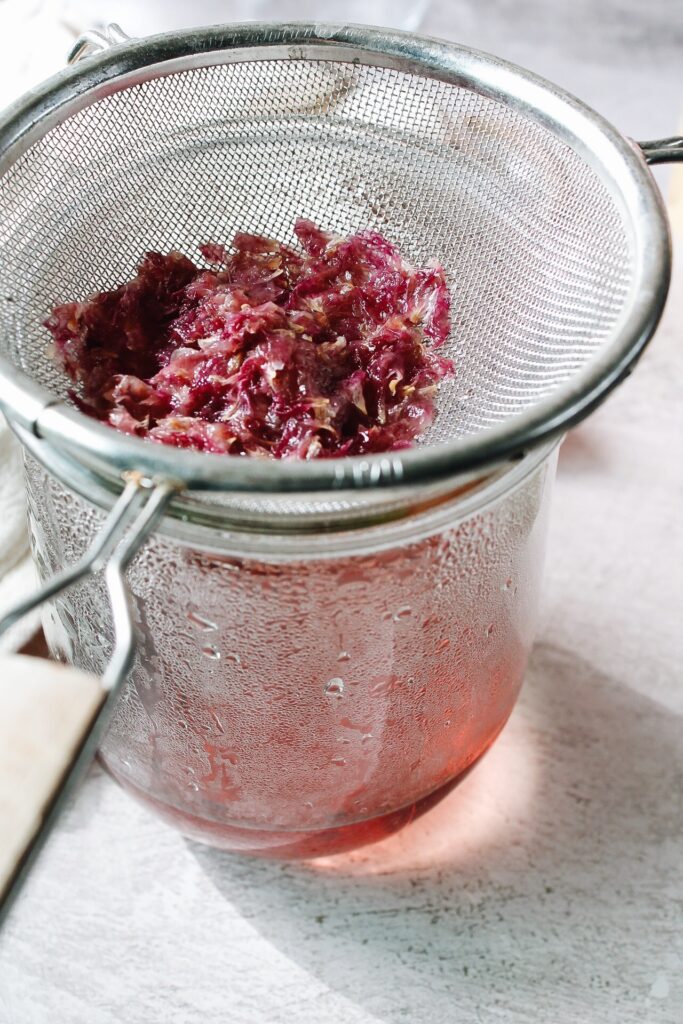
[{"x": 299, "y": 695}]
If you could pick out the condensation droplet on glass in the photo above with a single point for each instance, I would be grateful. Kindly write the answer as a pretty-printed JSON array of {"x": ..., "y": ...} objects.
[
  {"x": 489, "y": 629},
  {"x": 193, "y": 786},
  {"x": 182, "y": 724},
  {"x": 339, "y": 761},
  {"x": 344, "y": 656},
  {"x": 211, "y": 651},
  {"x": 308, "y": 803},
  {"x": 366, "y": 737},
  {"x": 508, "y": 584},
  {"x": 335, "y": 687},
  {"x": 231, "y": 756},
  {"x": 383, "y": 687},
  {"x": 203, "y": 624},
  {"x": 403, "y": 613},
  {"x": 219, "y": 724},
  {"x": 234, "y": 657}
]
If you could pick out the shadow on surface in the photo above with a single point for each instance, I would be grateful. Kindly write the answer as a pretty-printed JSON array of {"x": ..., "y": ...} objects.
[
  {"x": 583, "y": 451},
  {"x": 541, "y": 878}
]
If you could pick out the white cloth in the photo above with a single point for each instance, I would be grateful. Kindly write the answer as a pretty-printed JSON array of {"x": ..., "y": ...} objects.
[
  {"x": 33, "y": 45},
  {"x": 165, "y": 15},
  {"x": 17, "y": 574},
  {"x": 34, "y": 42}
]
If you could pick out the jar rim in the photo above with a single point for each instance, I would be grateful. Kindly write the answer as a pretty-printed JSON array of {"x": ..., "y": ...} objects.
[{"x": 422, "y": 512}]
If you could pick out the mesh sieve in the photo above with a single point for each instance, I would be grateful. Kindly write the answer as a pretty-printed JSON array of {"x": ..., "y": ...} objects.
[{"x": 544, "y": 218}]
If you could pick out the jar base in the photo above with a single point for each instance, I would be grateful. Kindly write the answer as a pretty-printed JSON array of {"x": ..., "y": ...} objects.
[{"x": 294, "y": 844}]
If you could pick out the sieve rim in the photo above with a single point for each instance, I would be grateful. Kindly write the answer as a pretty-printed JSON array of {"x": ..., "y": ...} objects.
[{"x": 615, "y": 158}]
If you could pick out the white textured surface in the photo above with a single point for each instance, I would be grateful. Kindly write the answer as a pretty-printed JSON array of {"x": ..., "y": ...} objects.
[
  {"x": 32, "y": 46},
  {"x": 549, "y": 887}
]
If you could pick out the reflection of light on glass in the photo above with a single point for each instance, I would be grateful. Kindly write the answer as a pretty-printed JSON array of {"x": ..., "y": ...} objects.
[{"x": 478, "y": 813}]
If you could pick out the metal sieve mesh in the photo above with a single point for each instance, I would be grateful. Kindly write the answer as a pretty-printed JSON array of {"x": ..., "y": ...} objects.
[{"x": 539, "y": 252}]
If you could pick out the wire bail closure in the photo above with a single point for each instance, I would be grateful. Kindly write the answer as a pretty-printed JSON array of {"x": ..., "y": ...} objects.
[{"x": 131, "y": 520}]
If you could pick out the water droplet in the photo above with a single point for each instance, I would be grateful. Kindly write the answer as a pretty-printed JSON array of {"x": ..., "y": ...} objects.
[
  {"x": 202, "y": 623},
  {"x": 335, "y": 687},
  {"x": 383, "y": 687},
  {"x": 361, "y": 727},
  {"x": 219, "y": 724},
  {"x": 211, "y": 651},
  {"x": 344, "y": 656},
  {"x": 508, "y": 584},
  {"x": 231, "y": 756},
  {"x": 193, "y": 786},
  {"x": 308, "y": 803},
  {"x": 489, "y": 630},
  {"x": 403, "y": 613},
  {"x": 339, "y": 761},
  {"x": 182, "y": 724},
  {"x": 233, "y": 657},
  {"x": 366, "y": 737}
]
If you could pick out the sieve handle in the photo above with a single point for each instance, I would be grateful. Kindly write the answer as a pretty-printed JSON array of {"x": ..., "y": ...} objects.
[
  {"x": 37, "y": 777},
  {"x": 663, "y": 151}
]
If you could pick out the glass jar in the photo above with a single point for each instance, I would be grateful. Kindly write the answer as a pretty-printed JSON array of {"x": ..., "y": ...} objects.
[{"x": 301, "y": 694}]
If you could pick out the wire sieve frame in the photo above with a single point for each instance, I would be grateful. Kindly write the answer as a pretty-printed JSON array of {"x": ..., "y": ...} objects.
[{"x": 109, "y": 453}]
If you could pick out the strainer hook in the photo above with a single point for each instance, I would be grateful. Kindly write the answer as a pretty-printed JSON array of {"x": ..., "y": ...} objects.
[{"x": 94, "y": 41}]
